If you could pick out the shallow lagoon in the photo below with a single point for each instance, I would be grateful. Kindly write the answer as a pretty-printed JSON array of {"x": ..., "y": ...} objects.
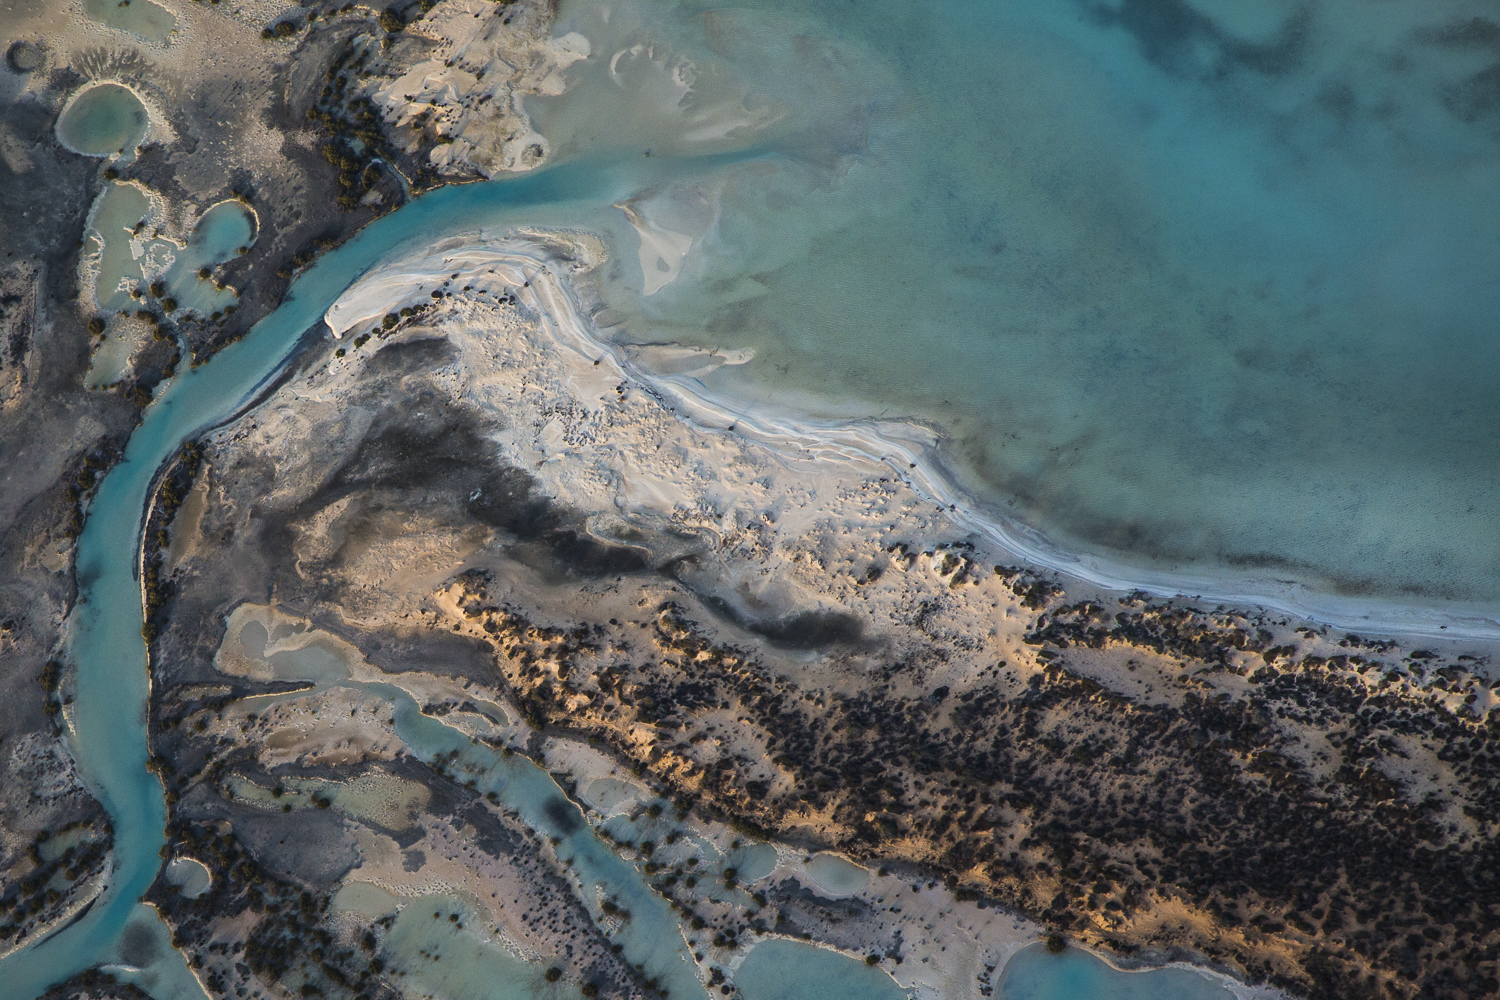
[
  {"x": 790, "y": 970},
  {"x": 216, "y": 238},
  {"x": 1207, "y": 293},
  {"x": 1219, "y": 297},
  {"x": 838, "y": 876},
  {"x": 1036, "y": 974},
  {"x": 104, "y": 120},
  {"x": 126, "y": 254}
]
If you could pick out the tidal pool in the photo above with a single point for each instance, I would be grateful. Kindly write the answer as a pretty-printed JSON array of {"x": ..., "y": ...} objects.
[
  {"x": 106, "y": 119},
  {"x": 453, "y": 960},
  {"x": 190, "y": 875},
  {"x": 223, "y": 232},
  {"x": 752, "y": 862},
  {"x": 838, "y": 876},
  {"x": 1037, "y": 974},
  {"x": 142, "y": 18},
  {"x": 126, "y": 257},
  {"x": 789, "y": 970}
]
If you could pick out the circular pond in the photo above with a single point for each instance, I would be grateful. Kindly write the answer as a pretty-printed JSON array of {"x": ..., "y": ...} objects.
[{"x": 104, "y": 119}]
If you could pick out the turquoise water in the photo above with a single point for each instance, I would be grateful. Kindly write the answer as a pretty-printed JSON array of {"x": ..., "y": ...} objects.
[
  {"x": 1186, "y": 285},
  {"x": 790, "y": 970},
  {"x": 445, "y": 960},
  {"x": 216, "y": 238},
  {"x": 121, "y": 208},
  {"x": 651, "y": 937},
  {"x": 1194, "y": 288},
  {"x": 112, "y": 681},
  {"x": 1036, "y": 974},
  {"x": 838, "y": 876},
  {"x": 103, "y": 120}
]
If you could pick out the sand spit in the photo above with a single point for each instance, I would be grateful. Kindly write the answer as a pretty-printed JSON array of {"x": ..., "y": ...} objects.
[{"x": 910, "y": 451}]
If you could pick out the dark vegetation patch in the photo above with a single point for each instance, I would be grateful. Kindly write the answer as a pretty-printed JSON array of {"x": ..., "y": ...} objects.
[
  {"x": 1081, "y": 807},
  {"x": 171, "y": 492},
  {"x": 1175, "y": 36},
  {"x": 803, "y": 630},
  {"x": 291, "y": 944},
  {"x": 431, "y": 455},
  {"x": 355, "y": 142},
  {"x": 94, "y": 984}
]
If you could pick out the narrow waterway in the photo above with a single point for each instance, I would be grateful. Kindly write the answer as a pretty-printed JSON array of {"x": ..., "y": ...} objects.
[{"x": 108, "y": 716}]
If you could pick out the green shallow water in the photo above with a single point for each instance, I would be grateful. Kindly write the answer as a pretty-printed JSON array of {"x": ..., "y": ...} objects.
[
  {"x": 790, "y": 970},
  {"x": 142, "y": 18},
  {"x": 1194, "y": 291},
  {"x": 1035, "y": 974},
  {"x": 104, "y": 119}
]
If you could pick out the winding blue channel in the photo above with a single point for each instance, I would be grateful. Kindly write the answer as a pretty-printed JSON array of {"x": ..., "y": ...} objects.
[{"x": 109, "y": 738}]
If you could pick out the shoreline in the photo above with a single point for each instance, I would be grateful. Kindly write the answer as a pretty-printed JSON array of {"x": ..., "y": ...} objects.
[
  {"x": 715, "y": 602},
  {"x": 891, "y": 443}
]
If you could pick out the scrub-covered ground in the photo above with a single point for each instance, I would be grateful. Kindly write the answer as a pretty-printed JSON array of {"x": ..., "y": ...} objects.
[{"x": 751, "y": 643}]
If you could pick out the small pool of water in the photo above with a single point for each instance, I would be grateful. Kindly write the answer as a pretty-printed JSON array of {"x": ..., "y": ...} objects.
[
  {"x": 190, "y": 875},
  {"x": 365, "y": 899},
  {"x": 456, "y": 960},
  {"x": 121, "y": 208},
  {"x": 144, "y": 957},
  {"x": 127, "y": 259},
  {"x": 103, "y": 120},
  {"x": 220, "y": 235},
  {"x": 837, "y": 875},
  {"x": 1037, "y": 974},
  {"x": 142, "y": 18},
  {"x": 789, "y": 970},
  {"x": 606, "y": 794}
]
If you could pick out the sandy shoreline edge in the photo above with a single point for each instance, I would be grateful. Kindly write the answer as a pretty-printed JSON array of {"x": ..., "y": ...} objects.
[{"x": 534, "y": 267}]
